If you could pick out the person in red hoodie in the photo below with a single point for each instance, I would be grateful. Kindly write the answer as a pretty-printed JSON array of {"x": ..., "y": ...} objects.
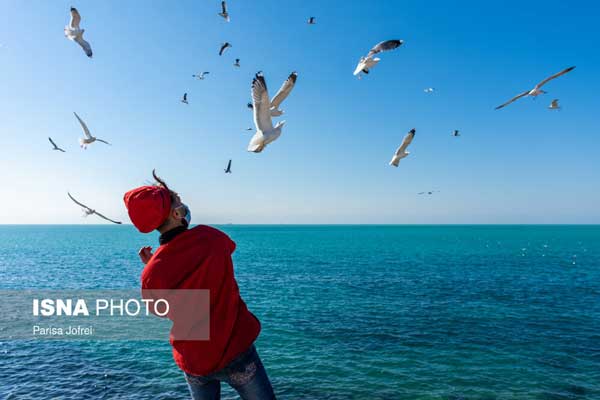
[{"x": 200, "y": 258}]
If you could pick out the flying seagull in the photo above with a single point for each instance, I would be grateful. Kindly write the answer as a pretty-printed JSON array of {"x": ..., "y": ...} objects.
[
  {"x": 73, "y": 32},
  {"x": 88, "y": 139},
  {"x": 249, "y": 129},
  {"x": 89, "y": 211},
  {"x": 364, "y": 65},
  {"x": 282, "y": 94},
  {"x": 224, "y": 12},
  {"x": 401, "y": 152},
  {"x": 428, "y": 192},
  {"x": 554, "y": 105},
  {"x": 265, "y": 132},
  {"x": 311, "y": 21},
  {"x": 228, "y": 169},
  {"x": 250, "y": 106},
  {"x": 386, "y": 45},
  {"x": 237, "y": 62},
  {"x": 429, "y": 90},
  {"x": 223, "y": 47},
  {"x": 184, "y": 99},
  {"x": 536, "y": 91},
  {"x": 55, "y": 146},
  {"x": 456, "y": 133},
  {"x": 201, "y": 75}
]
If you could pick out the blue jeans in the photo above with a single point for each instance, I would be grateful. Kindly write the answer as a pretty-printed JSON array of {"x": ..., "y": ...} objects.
[{"x": 246, "y": 374}]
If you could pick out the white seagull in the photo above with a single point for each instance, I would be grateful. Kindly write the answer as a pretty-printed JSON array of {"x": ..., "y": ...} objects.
[
  {"x": 364, "y": 65},
  {"x": 265, "y": 132},
  {"x": 88, "y": 139},
  {"x": 73, "y": 32},
  {"x": 224, "y": 46},
  {"x": 456, "y": 133},
  {"x": 401, "y": 152},
  {"x": 554, "y": 105},
  {"x": 236, "y": 63},
  {"x": 55, "y": 146},
  {"x": 429, "y": 90},
  {"x": 282, "y": 94},
  {"x": 311, "y": 21},
  {"x": 201, "y": 75},
  {"x": 536, "y": 91},
  {"x": 88, "y": 211},
  {"x": 224, "y": 12}
]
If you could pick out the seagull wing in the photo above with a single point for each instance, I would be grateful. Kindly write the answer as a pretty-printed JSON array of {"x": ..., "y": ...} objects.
[
  {"x": 525, "y": 93},
  {"x": 224, "y": 7},
  {"x": 229, "y": 165},
  {"x": 53, "y": 144},
  {"x": 84, "y": 45},
  {"x": 223, "y": 47},
  {"x": 75, "y": 18},
  {"x": 542, "y": 83},
  {"x": 261, "y": 104},
  {"x": 284, "y": 90},
  {"x": 106, "y": 218},
  {"x": 407, "y": 140},
  {"x": 103, "y": 141},
  {"x": 361, "y": 65},
  {"x": 78, "y": 203},
  {"x": 86, "y": 131},
  {"x": 385, "y": 46}
]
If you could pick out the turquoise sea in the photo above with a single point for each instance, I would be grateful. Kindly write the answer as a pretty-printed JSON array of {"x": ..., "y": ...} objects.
[{"x": 348, "y": 312}]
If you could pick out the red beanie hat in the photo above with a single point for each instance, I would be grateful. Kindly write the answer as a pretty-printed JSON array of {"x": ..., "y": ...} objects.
[{"x": 148, "y": 207}]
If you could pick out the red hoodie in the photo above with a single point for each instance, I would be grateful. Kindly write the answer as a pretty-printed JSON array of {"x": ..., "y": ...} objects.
[{"x": 200, "y": 258}]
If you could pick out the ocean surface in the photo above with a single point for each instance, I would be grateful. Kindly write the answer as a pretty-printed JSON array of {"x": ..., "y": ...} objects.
[{"x": 347, "y": 312}]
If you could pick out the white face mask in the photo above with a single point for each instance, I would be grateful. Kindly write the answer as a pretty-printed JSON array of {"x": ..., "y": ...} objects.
[{"x": 188, "y": 215}]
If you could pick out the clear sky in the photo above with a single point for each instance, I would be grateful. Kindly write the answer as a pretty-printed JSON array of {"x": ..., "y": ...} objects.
[{"x": 522, "y": 164}]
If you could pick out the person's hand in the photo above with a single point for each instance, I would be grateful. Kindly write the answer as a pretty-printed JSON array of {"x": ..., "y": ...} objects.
[{"x": 145, "y": 254}]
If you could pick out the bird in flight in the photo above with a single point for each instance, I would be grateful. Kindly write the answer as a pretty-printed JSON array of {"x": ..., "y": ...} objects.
[
  {"x": 224, "y": 12},
  {"x": 249, "y": 129},
  {"x": 554, "y": 105},
  {"x": 311, "y": 21},
  {"x": 224, "y": 46},
  {"x": 537, "y": 90},
  {"x": 456, "y": 133},
  {"x": 184, "y": 99},
  {"x": 89, "y": 211},
  {"x": 428, "y": 192},
  {"x": 265, "y": 131},
  {"x": 429, "y": 90},
  {"x": 228, "y": 169},
  {"x": 401, "y": 151},
  {"x": 55, "y": 146},
  {"x": 88, "y": 139},
  {"x": 201, "y": 75},
  {"x": 364, "y": 65},
  {"x": 250, "y": 106},
  {"x": 74, "y": 33},
  {"x": 236, "y": 63}
]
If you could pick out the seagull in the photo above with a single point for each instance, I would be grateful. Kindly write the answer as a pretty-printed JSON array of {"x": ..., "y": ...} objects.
[
  {"x": 224, "y": 12},
  {"x": 401, "y": 152},
  {"x": 88, "y": 139},
  {"x": 265, "y": 132},
  {"x": 429, "y": 90},
  {"x": 536, "y": 91},
  {"x": 282, "y": 94},
  {"x": 456, "y": 133},
  {"x": 237, "y": 62},
  {"x": 364, "y": 65},
  {"x": 201, "y": 75},
  {"x": 250, "y": 106},
  {"x": 223, "y": 47},
  {"x": 386, "y": 45},
  {"x": 311, "y": 21},
  {"x": 55, "y": 146},
  {"x": 228, "y": 169},
  {"x": 554, "y": 105},
  {"x": 428, "y": 192},
  {"x": 184, "y": 100},
  {"x": 249, "y": 129},
  {"x": 73, "y": 32},
  {"x": 89, "y": 211}
]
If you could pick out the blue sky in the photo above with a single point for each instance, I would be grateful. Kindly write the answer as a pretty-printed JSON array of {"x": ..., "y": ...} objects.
[{"x": 522, "y": 164}]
